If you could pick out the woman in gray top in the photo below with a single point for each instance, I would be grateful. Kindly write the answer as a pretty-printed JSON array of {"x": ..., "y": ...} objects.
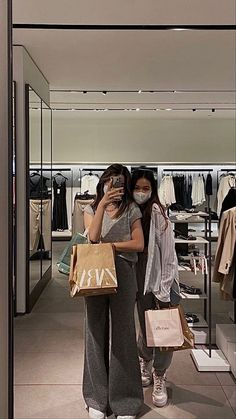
[{"x": 112, "y": 381}]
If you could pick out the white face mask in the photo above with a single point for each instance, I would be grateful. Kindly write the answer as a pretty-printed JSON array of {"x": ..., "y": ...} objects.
[
  {"x": 105, "y": 188},
  {"x": 142, "y": 197}
]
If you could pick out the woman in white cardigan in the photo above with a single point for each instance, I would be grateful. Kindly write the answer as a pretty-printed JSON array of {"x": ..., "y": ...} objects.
[{"x": 157, "y": 276}]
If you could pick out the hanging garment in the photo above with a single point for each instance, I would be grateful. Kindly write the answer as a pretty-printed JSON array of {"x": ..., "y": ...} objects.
[
  {"x": 225, "y": 259},
  {"x": 78, "y": 215},
  {"x": 38, "y": 186},
  {"x": 198, "y": 190},
  {"x": 226, "y": 182},
  {"x": 179, "y": 186},
  {"x": 166, "y": 191},
  {"x": 229, "y": 201},
  {"x": 59, "y": 221},
  {"x": 89, "y": 184},
  {"x": 189, "y": 203},
  {"x": 209, "y": 184},
  {"x": 40, "y": 223}
]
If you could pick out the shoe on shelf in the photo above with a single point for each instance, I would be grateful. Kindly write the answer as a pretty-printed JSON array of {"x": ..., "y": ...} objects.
[
  {"x": 146, "y": 372},
  {"x": 159, "y": 394},
  {"x": 95, "y": 414}
]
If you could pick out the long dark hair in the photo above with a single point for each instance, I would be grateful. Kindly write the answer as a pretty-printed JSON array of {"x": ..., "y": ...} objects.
[
  {"x": 127, "y": 198},
  {"x": 146, "y": 208}
]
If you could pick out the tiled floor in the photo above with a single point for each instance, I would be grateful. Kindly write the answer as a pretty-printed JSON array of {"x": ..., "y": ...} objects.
[{"x": 49, "y": 363}]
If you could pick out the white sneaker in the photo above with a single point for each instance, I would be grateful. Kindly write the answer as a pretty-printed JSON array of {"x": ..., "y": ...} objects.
[
  {"x": 126, "y": 417},
  {"x": 95, "y": 414},
  {"x": 159, "y": 395},
  {"x": 146, "y": 372}
]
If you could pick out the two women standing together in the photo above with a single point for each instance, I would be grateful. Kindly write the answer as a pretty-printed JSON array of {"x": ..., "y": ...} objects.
[{"x": 132, "y": 218}]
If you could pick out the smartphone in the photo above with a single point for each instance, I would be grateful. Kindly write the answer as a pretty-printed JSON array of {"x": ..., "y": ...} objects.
[{"x": 118, "y": 181}]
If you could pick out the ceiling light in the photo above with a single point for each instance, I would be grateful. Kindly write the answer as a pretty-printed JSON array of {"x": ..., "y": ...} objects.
[
  {"x": 194, "y": 110},
  {"x": 179, "y": 29},
  {"x": 105, "y": 110},
  {"x": 137, "y": 109},
  {"x": 84, "y": 92},
  {"x": 73, "y": 109},
  {"x": 104, "y": 92},
  {"x": 168, "y": 109},
  {"x": 140, "y": 91},
  {"x": 157, "y": 109},
  {"x": 213, "y": 110}
]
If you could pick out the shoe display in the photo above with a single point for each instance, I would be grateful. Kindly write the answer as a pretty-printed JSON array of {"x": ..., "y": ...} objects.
[
  {"x": 159, "y": 394},
  {"x": 191, "y": 318},
  {"x": 189, "y": 289},
  {"x": 146, "y": 372},
  {"x": 95, "y": 414}
]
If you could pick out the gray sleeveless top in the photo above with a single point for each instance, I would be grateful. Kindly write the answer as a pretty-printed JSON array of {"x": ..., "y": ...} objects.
[{"x": 119, "y": 229}]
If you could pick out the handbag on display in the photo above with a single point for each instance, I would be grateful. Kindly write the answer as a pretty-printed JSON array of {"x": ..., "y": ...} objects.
[
  {"x": 168, "y": 330},
  {"x": 92, "y": 270},
  {"x": 64, "y": 262}
]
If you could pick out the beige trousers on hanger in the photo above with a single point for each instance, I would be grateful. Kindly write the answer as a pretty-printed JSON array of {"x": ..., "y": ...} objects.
[
  {"x": 78, "y": 215},
  {"x": 40, "y": 223}
]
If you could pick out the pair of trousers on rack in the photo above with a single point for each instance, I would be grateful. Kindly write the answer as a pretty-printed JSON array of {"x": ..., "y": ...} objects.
[
  {"x": 78, "y": 215},
  {"x": 40, "y": 223}
]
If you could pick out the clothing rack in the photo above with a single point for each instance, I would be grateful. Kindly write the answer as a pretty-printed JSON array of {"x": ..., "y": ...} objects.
[
  {"x": 188, "y": 170},
  {"x": 50, "y": 170}
]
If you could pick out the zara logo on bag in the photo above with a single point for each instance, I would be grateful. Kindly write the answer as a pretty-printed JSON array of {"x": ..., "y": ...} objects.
[
  {"x": 162, "y": 328},
  {"x": 100, "y": 277}
]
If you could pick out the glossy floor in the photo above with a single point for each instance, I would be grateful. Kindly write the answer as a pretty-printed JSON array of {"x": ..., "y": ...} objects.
[{"x": 49, "y": 363}]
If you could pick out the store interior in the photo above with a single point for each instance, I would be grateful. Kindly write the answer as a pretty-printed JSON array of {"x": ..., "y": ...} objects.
[{"x": 88, "y": 97}]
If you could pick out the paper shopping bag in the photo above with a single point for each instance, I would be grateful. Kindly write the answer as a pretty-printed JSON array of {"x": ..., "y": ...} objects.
[
  {"x": 188, "y": 335},
  {"x": 163, "y": 328},
  {"x": 92, "y": 270},
  {"x": 64, "y": 262}
]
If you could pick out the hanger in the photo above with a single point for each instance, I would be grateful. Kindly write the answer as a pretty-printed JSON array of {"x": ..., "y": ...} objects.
[
  {"x": 60, "y": 174},
  {"x": 35, "y": 173}
]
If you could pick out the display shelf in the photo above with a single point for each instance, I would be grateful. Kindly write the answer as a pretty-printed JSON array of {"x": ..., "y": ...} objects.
[
  {"x": 186, "y": 296},
  {"x": 213, "y": 363},
  {"x": 202, "y": 322},
  {"x": 188, "y": 220},
  {"x": 199, "y": 240}
]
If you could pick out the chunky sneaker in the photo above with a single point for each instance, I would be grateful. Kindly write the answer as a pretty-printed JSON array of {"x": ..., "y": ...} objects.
[
  {"x": 146, "y": 372},
  {"x": 159, "y": 394},
  {"x": 95, "y": 414}
]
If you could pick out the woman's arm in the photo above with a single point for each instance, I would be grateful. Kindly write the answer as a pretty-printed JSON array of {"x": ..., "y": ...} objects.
[{"x": 136, "y": 244}]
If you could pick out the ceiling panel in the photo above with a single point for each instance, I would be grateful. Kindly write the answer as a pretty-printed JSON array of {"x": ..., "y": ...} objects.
[
  {"x": 124, "y": 11},
  {"x": 163, "y": 60}
]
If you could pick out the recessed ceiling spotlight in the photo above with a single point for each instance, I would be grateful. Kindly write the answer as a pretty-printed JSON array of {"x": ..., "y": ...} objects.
[
  {"x": 140, "y": 91},
  {"x": 179, "y": 29},
  {"x": 84, "y": 92},
  {"x": 213, "y": 110},
  {"x": 137, "y": 109},
  {"x": 105, "y": 110},
  {"x": 194, "y": 110},
  {"x": 168, "y": 109},
  {"x": 104, "y": 92},
  {"x": 157, "y": 109},
  {"x": 73, "y": 109}
]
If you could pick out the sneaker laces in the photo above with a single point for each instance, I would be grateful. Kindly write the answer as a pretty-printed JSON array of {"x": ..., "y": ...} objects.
[
  {"x": 144, "y": 367},
  {"x": 159, "y": 381}
]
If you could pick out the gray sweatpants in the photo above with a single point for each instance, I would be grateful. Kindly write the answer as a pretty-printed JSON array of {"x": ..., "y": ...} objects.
[
  {"x": 161, "y": 360},
  {"x": 113, "y": 380}
]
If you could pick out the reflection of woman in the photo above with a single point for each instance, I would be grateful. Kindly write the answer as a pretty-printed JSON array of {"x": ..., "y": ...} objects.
[
  {"x": 158, "y": 263},
  {"x": 114, "y": 218}
]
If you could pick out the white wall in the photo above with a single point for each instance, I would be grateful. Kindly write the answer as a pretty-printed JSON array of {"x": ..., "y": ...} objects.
[{"x": 77, "y": 139}]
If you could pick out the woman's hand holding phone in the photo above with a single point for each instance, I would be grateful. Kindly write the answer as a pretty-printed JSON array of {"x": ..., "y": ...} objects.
[{"x": 112, "y": 195}]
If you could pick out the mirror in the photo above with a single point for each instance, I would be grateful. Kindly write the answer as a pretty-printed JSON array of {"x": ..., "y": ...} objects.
[
  {"x": 35, "y": 186},
  {"x": 47, "y": 192},
  {"x": 39, "y": 231}
]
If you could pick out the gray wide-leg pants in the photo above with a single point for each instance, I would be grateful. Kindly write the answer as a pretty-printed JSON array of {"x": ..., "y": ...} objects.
[
  {"x": 114, "y": 382},
  {"x": 161, "y": 360}
]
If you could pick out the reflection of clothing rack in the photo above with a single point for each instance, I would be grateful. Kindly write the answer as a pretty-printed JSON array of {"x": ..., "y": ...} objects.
[
  {"x": 225, "y": 182},
  {"x": 195, "y": 189}
]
